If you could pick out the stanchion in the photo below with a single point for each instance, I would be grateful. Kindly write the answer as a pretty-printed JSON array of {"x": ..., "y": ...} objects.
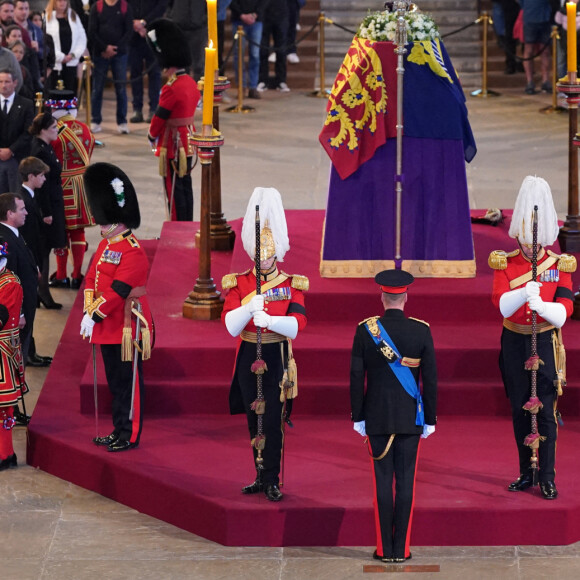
[
  {"x": 38, "y": 102},
  {"x": 204, "y": 302},
  {"x": 87, "y": 66},
  {"x": 222, "y": 237},
  {"x": 484, "y": 92},
  {"x": 554, "y": 107},
  {"x": 240, "y": 107},
  {"x": 321, "y": 92}
]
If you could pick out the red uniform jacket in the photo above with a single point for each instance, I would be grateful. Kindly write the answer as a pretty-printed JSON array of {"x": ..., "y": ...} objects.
[
  {"x": 556, "y": 282},
  {"x": 177, "y": 104},
  {"x": 285, "y": 298},
  {"x": 119, "y": 266},
  {"x": 74, "y": 148}
]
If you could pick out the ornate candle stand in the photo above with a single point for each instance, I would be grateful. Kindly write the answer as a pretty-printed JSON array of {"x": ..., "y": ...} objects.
[
  {"x": 204, "y": 302},
  {"x": 569, "y": 236},
  {"x": 222, "y": 236}
]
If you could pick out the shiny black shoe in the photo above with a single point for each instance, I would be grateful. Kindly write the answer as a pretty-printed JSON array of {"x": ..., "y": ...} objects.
[
  {"x": 522, "y": 483},
  {"x": 121, "y": 445},
  {"x": 106, "y": 441},
  {"x": 253, "y": 487},
  {"x": 34, "y": 360},
  {"x": 273, "y": 492},
  {"x": 386, "y": 559},
  {"x": 49, "y": 304},
  {"x": 75, "y": 283},
  {"x": 55, "y": 282},
  {"x": 9, "y": 462},
  {"x": 21, "y": 419},
  {"x": 548, "y": 489},
  {"x": 402, "y": 560}
]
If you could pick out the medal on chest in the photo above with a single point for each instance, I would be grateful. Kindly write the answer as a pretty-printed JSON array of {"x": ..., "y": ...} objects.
[{"x": 111, "y": 257}]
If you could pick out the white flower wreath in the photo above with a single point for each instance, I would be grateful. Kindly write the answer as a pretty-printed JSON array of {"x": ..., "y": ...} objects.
[{"x": 382, "y": 26}]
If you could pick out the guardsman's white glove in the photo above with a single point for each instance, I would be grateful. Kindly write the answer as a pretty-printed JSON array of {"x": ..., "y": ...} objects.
[
  {"x": 237, "y": 319},
  {"x": 87, "y": 324},
  {"x": 359, "y": 427},
  {"x": 553, "y": 312},
  {"x": 511, "y": 301},
  {"x": 427, "y": 430},
  {"x": 284, "y": 325}
]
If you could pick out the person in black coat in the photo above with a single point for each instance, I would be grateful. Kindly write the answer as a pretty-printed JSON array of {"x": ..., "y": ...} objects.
[
  {"x": 50, "y": 196},
  {"x": 392, "y": 352},
  {"x": 14, "y": 139}
]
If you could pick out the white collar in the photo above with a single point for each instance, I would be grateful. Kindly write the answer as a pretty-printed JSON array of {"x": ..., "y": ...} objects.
[
  {"x": 15, "y": 230},
  {"x": 30, "y": 191}
]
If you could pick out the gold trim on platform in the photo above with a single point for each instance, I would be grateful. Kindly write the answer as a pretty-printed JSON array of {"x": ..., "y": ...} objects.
[{"x": 419, "y": 268}]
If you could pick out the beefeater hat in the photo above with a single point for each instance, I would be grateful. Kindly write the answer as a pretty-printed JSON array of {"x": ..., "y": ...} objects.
[
  {"x": 111, "y": 195},
  {"x": 273, "y": 228},
  {"x": 534, "y": 191},
  {"x": 168, "y": 43}
]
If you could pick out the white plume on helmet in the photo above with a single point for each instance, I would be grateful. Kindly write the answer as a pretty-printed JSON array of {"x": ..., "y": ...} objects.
[
  {"x": 534, "y": 191},
  {"x": 271, "y": 215}
]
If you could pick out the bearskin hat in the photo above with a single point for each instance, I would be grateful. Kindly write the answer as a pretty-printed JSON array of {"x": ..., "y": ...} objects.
[
  {"x": 168, "y": 43},
  {"x": 111, "y": 196}
]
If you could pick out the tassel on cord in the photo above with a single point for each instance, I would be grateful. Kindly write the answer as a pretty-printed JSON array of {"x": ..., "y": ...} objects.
[
  {"x": 533, "y": 363},
  {"x": 533, "y": 405},
  {"x": 533, "y": 440},
  {"x": 258, "y": 406},
  {"x": 259, "y": 367},
  {"x": 127, "y": 344},
  {"x": 259, "y": 442},
  {"x": 182, "y": 163},
  {"x": 163, "y": 162},
  {"x": 146, "y": 343}
]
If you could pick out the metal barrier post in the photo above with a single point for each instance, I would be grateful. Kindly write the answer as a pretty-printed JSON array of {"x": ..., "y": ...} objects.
[
  {"x": 240, "y": 107},
  {"x": 321, "y": 92},
  {"x": 483, "y": 92},
  {"x": 554, "y": 107}
]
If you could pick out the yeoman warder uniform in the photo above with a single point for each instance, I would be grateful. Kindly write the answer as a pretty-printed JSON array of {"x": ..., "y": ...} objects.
[
  {"x": 392, "y": 353},
  {"x": 280, "y": 313},
  {"x": 115, "y": 304},
  {"x": 517, "y": 297}
]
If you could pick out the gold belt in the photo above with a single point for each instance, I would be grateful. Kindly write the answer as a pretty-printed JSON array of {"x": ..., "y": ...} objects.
[
  {"x": 526, "y": 328},
  {"x": 267, "y": 337}
]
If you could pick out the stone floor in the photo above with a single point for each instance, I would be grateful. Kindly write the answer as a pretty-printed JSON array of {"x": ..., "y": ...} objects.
[{"x": 51, "y": 529}]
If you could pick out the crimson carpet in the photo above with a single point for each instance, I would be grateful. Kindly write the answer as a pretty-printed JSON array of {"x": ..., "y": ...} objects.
[{"x": 194, "y": 456}]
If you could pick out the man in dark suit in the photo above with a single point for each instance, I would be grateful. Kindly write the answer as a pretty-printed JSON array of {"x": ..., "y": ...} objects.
[
  {"x": 392, "y": 351},
  {"x": 20, "y": 260},
  {"x": 16, "y": 114}
]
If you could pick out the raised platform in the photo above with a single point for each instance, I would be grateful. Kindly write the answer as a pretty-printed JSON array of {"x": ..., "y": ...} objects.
[{"x": 194, "y": 456}]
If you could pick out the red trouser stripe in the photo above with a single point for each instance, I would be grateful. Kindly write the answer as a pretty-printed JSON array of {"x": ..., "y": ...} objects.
[
  {"x": 408, "y": 538},
  {"x": 380, "y": 551},
  {"x": 136, "y": 407}
]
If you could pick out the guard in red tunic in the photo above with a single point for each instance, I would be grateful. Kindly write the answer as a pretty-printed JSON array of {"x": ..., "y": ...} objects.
[
  {"x": 279, "y": 311},
  {"x": 551, "y": 297},
  {"x": 73, "y": 149},
  {"x": 172, "y": 125},
  {"x": 12, "y": 382},
  {"x": 117, "y": 315}
]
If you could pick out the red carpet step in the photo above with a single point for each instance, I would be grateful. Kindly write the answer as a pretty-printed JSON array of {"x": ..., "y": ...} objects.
[{"x": 194, "y": 456}]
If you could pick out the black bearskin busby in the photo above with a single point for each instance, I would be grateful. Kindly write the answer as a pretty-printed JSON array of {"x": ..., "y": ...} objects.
[
  {"x": 111, "y": 196},
  {"x": 169, "y": 44}
]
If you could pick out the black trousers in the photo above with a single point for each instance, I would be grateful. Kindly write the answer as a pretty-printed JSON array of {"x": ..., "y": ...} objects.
[
  {"x": 393, "y": 513},
  {"x": 272, "y": 418},
  {"x": 119, "y": 377},
  {"x": 182, "y": 192},
  {"x": 515, "y": 350}
]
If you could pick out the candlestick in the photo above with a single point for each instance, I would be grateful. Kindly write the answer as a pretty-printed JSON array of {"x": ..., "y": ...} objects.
[
  {"x": 208, "y": 79},
  {"x": 212, "y": 33},
  {"x": 571, "y": 45}
]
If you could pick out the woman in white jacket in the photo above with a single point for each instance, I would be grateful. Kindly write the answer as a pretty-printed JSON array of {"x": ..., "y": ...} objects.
[{"x": 70, "y": 42}]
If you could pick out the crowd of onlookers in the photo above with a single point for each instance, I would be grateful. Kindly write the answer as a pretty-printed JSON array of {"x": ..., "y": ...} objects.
[
  {"x": 43, "y": 43},
  {"x": 529, "y": 24}
]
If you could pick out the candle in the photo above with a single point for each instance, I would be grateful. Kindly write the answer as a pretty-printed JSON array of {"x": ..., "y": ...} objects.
[
  {"x": 571, "y": 14},
  {"x": 210, "y": 64},
  {"x": 212, "y": 25}
]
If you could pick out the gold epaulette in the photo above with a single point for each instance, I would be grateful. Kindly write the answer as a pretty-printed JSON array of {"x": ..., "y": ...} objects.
[
  {"x": 419, "y": 320},
  {"x": 231, "y": 280},
  {"x": 298, "y": 282},
  {"x": 367, "y": 319},
  {"x": 566, "y": 262},
  {"x": 498, "y": 259}
]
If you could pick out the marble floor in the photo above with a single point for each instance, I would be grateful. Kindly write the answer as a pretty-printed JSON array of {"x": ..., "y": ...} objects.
[{"x": 51, "y": 529}]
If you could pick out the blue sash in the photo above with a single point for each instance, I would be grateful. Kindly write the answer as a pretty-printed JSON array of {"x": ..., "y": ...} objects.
[{"x": 404, "y": 375}]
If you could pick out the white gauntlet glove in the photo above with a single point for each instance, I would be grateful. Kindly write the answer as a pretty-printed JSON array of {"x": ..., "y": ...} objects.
[
  {"x": 87, "y": 324},
  {"x": 511, "y": 301},
  {"x": 284, "y": 325},
  {"x": 552, "y": 312},
  {"x": 359, "y": 427},
  {"x": 237, "y": 319},
  {"x": 427, "y": 430}
]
